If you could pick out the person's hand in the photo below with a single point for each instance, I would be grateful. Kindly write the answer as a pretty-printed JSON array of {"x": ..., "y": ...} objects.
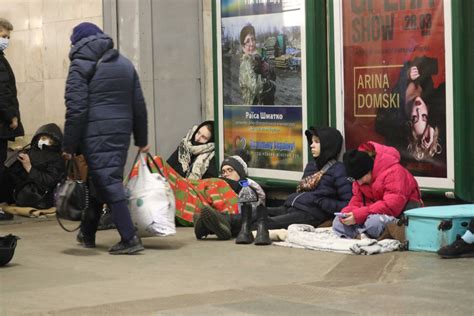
[
  {"x": 14, "y": 123},
  {"x": 349, "y": 220},
  {"x": 25, "y": 161},
  {"x": 144, "y": 149},
  {"x": 414, "y": 74},
  {"x": 66, "y": 156}
]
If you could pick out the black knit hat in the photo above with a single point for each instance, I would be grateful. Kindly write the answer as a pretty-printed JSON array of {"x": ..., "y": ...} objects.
[
  {"x": 237, "y": 163},
  {"x": 357, "y": 163}
]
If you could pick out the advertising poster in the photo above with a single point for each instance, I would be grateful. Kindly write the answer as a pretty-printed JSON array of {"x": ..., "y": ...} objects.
[
  {"x": 394, "y": 80},
  {"x": 261, "y": 83}
]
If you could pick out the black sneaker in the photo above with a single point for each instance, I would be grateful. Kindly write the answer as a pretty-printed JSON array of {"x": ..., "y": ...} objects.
[
  {"x": 4, "y": 216},
  {"x": 200, "y": 229},
  {"x": 86, "y": 242},
  {"x": 216, "y": 223},
  {"x": 458, "y": 249},
  {"x": 128, "y": 247}
]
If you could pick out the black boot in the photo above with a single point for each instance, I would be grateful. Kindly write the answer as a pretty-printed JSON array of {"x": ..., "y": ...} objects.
[
  {"x": 263, "y": 237},
  {"x": 200, "y": 230},
  {"x": 216, "y": 223},
  {"x": 245, "y": 236}
]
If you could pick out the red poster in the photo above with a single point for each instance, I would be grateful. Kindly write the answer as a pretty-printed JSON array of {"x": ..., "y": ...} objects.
[{"x": 394, "y": 79}]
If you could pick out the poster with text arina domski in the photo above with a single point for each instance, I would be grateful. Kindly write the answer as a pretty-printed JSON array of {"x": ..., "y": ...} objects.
[
  {"x": 394, "y": 79},
  {"x": 261, "y": 82}
]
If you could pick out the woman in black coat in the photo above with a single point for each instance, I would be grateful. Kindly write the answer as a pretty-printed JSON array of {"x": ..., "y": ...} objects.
[
  {"x": 10, "y": 122},
  {"x": 195, "y": 156},
  {"x": 32, "y": 179},
  {"x": 105, "y": 105}
]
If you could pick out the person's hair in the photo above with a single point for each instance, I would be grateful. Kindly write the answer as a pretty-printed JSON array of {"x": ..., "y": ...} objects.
[
  {"x": 210, "y": 127},
  {"x": 247, "y": 29},
  {"x": 416, "y": 149},
  {"x": 5, "y": 24}
]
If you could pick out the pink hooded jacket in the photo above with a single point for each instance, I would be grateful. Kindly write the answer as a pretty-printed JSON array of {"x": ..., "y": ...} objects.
[{"x": 391, "y": 188}]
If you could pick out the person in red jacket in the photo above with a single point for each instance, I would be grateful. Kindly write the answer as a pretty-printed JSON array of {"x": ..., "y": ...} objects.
[{"x": 382, "y": 190}]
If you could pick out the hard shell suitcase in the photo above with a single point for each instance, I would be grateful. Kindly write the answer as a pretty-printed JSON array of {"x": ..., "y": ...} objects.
[{"x": 430, "y": 228}]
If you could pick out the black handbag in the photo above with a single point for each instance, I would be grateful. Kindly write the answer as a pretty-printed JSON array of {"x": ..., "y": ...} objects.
[{"x": 72, "y": 196}]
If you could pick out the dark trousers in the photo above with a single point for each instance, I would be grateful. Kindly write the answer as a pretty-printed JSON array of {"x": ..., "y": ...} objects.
[
  {"x": 120, "y": 216},
  {"x": 3, "y": 156},
  {"x": 278, "y": 217},
  {"x": 282, "y": 217}
]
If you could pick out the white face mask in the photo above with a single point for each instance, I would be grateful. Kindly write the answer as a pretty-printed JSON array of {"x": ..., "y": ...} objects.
[
  {"x": 3, "y": 43},
  {"x": 43, "y": 142}
]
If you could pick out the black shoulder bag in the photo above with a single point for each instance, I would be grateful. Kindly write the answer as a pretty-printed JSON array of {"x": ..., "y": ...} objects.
[{"x": 71, "y": 196}]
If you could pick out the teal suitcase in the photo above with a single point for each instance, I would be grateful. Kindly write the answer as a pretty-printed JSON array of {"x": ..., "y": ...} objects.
[{"x": 433, "y": 227}]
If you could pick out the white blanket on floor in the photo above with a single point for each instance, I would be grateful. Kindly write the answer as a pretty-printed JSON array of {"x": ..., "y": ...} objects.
[{"x": 324, "y": 239}]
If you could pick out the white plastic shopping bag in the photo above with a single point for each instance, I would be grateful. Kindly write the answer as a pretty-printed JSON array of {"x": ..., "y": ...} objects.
[{"x": 151, "y": 201}]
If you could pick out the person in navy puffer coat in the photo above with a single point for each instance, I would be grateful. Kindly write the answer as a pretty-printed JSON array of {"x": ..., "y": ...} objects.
[
  {"x": 324, "y": 188},
  {"x": 105, "y": 105}
]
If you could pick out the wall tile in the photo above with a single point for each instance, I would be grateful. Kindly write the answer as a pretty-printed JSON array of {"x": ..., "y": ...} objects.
[
  {"x": 16, "y": 11},
  {"x": 16, "y": 54},
  {"x": 34, "y": 55},
  {"x": 51, "y": 11},
  {"x": 32, "y": 107},
  {"x": 54, "y": 100},
  {"x": 35, "y": 9},
  {"x": 91, "y": 8}
]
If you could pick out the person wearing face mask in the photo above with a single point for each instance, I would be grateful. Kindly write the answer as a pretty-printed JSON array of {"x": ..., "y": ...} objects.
[
  {"x": 322, "y": 191},
  {"x": 194, "y": 157},
  {"x": 10, "y": 122},
  {"x": 32, "y": 179}
]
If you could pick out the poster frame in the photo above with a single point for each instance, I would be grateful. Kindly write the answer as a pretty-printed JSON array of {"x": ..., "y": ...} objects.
[
  {"x": 313, "y": 32},
  {"x": 337, "y": 89}
]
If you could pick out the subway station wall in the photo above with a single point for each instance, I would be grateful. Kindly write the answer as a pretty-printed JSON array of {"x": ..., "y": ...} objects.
[{"x": 38, "y": 53}]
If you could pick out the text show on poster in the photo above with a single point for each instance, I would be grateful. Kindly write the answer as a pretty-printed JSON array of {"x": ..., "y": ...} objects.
[
  {"x": 394, "y": 80},
  {"x": 261, "y": 82}
]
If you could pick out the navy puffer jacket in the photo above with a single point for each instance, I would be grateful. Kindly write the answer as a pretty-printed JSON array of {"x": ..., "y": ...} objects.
[
  {"x": 334, "y": 190},
  {"x": 105, "y": 105}
]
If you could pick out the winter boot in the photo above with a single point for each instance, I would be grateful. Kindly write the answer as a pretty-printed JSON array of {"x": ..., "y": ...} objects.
[
  {"x": 263, "y": 237},
  {"x": 200, "y": 230},
  {"x": 216, "y": 223},
  {"x": 245, "y": 236}
]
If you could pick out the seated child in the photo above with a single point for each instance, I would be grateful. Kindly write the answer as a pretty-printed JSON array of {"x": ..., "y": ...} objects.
[
  {"x": 382, "y": 190},
  {"x": 323, "y": 189},
  {"x": 32, "y": 179}
]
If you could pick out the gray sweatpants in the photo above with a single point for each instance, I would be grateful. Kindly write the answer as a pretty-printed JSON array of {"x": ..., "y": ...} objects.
[{"x": 373, "y": 226}]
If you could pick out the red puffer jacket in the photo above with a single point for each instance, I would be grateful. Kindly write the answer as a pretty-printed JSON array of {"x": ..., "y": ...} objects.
[{"x": 391, "y": 188}]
